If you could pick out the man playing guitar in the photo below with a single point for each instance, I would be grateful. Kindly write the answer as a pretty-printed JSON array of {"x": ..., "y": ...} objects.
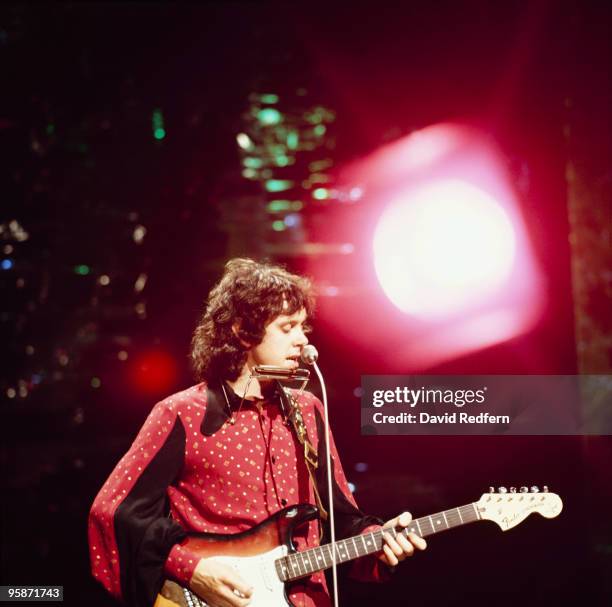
[{"x": 221, "y": 457}]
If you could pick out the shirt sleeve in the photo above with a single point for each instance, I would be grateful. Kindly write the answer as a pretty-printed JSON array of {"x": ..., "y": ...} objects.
[
  {"x": 133, "y": 543},
  {"x": 349, "y": 519}
]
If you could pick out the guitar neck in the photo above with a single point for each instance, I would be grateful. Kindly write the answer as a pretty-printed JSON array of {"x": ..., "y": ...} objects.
[{"x": 300, "y": 564}]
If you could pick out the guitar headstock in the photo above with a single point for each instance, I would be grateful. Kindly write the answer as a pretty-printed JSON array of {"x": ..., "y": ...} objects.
[{"x": 510, "y": 508}]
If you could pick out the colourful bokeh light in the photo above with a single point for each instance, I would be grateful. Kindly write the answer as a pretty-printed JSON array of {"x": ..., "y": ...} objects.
[
  {"x": 269, "y": 116},
  {"x": 154, "y": 372}
]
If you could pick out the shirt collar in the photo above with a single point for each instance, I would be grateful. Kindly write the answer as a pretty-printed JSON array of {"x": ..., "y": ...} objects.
[{"x": 216, "y": 405}]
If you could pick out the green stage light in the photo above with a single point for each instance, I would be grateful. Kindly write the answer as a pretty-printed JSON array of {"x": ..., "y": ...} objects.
[
  {"x": 252, "y": 163},
  {"x": 269, "y": 116},
  {"x": 159, "y": 132},
  {"x": 320, "y": 194},
  {"x": 249, "y": 173},
  {"x": 278, "y": 185},
  {"x": 278, "y": 225},
  {"x": 277, "y": 206},
  {"x": 293, "y": 140},
  {"x": 82, "y": 270}
]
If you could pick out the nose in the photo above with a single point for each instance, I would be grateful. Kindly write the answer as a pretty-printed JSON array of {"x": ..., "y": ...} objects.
[{"x": 302, "y": 339}]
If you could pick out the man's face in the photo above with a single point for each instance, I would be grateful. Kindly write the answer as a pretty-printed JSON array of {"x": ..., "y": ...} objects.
[{"x": 282, "y": 342}]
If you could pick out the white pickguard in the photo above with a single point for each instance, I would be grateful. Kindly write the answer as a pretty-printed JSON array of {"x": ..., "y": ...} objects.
[{"x": 259, "y": 572}]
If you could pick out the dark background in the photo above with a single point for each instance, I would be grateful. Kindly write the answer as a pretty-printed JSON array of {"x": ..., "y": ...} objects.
[{"x": 535, "y": 75}]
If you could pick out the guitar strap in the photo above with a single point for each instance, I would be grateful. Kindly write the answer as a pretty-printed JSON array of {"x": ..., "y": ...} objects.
[{"x": 311, "y": 458}]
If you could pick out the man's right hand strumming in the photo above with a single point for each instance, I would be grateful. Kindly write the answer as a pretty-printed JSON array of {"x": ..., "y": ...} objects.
[{"x": 219, "y": 585}]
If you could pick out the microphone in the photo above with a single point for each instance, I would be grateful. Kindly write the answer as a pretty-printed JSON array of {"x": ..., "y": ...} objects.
[{"x": 309, "y": 354}]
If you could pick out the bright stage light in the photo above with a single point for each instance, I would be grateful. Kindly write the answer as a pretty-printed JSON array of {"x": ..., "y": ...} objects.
[
  {"x": 444, "y": 265},
  {"x": 441, "y": 247}
]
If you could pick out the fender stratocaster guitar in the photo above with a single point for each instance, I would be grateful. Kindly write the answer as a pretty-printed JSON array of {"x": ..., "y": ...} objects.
[{"x": 266, "y": 559}]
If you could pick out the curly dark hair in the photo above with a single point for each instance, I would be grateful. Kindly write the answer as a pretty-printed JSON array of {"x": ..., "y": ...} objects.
[{"x": 250, "y": 294}]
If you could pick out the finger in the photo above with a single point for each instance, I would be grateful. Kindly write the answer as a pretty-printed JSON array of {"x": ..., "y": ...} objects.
[
  {"x": 403, "y": 520},
  {"x": 391, "y": 558},
  {"x": 417, "y": 542},
  {"x": 235, "y": 582},
  {"x": 393, "y": 545},
  {"x": 231, "y": 599},
  {"x": 405, "y": 544}
]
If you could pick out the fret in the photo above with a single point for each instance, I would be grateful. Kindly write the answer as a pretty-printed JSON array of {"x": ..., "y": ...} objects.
[
  {"x": 309, "y": 555},
  {"x": 350, "y": 555},
  {"x": 349, "y": 552},
  {"x": 365, "y": 546},
  {"x": 315, "y": 552},
  {"x": 371, "y": 542},
  {"x": 445, "y": 520},
  {"x": 419, "y": 527},
  {"x": 297, "y": 563},
  {"x": 329, "y": 555},
  {"x": 423, "y": 522},
  {"x": 459, "y": 512},
  {"x": 310, "y": 566},
  {"x": 339, "y": 547},
  {"x": 320, "y": 558},
  {"x": 438, "y": 522},
  {"x": 325, "y": 555},
  {"x": 476, "y": 511},
  {"x": 290, "y": 561},
  {"x": 304, "y": 562}
]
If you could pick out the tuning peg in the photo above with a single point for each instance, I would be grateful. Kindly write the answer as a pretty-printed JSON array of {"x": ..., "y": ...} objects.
[
  {"x": 545, "y": 489},
  {"x": 502, "y": 490},
  {"x": 524, "y": 490},
  {"x": 491, "y": 489},
  {"x": 512, "y": 489},
  {"x": 535, "y": 489}
]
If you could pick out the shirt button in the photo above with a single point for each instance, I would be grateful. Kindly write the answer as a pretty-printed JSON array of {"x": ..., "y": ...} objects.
[{"x": 283, "y": 502}]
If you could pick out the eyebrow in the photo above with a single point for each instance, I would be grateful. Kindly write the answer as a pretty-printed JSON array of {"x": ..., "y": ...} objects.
[{"x": 289, "y": 319}]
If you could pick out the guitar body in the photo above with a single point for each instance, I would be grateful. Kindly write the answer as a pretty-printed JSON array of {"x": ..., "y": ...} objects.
[{"x": 251, "y": 553}]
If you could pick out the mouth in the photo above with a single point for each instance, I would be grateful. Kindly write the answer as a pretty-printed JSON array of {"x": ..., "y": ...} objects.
[{"x": 294, "y": 359}]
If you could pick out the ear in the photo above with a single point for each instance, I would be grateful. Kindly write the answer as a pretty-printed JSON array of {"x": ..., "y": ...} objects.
[{"x": 238, "y": 333}]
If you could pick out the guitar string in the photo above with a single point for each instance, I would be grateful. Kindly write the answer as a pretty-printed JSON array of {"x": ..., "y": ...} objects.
[
  {"x": 293, "y": 560},
  {"x": 454, "y": 517}
]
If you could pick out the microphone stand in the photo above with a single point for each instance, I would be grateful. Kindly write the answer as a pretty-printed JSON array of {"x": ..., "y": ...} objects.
[{"x": 332, "y": 524}]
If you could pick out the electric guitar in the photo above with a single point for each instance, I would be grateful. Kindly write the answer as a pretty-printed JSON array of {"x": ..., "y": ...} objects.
[{"x": 266, "y": 559}]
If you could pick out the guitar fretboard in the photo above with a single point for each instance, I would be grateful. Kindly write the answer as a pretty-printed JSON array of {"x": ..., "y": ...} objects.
[{"x": 300, "y": 564}]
